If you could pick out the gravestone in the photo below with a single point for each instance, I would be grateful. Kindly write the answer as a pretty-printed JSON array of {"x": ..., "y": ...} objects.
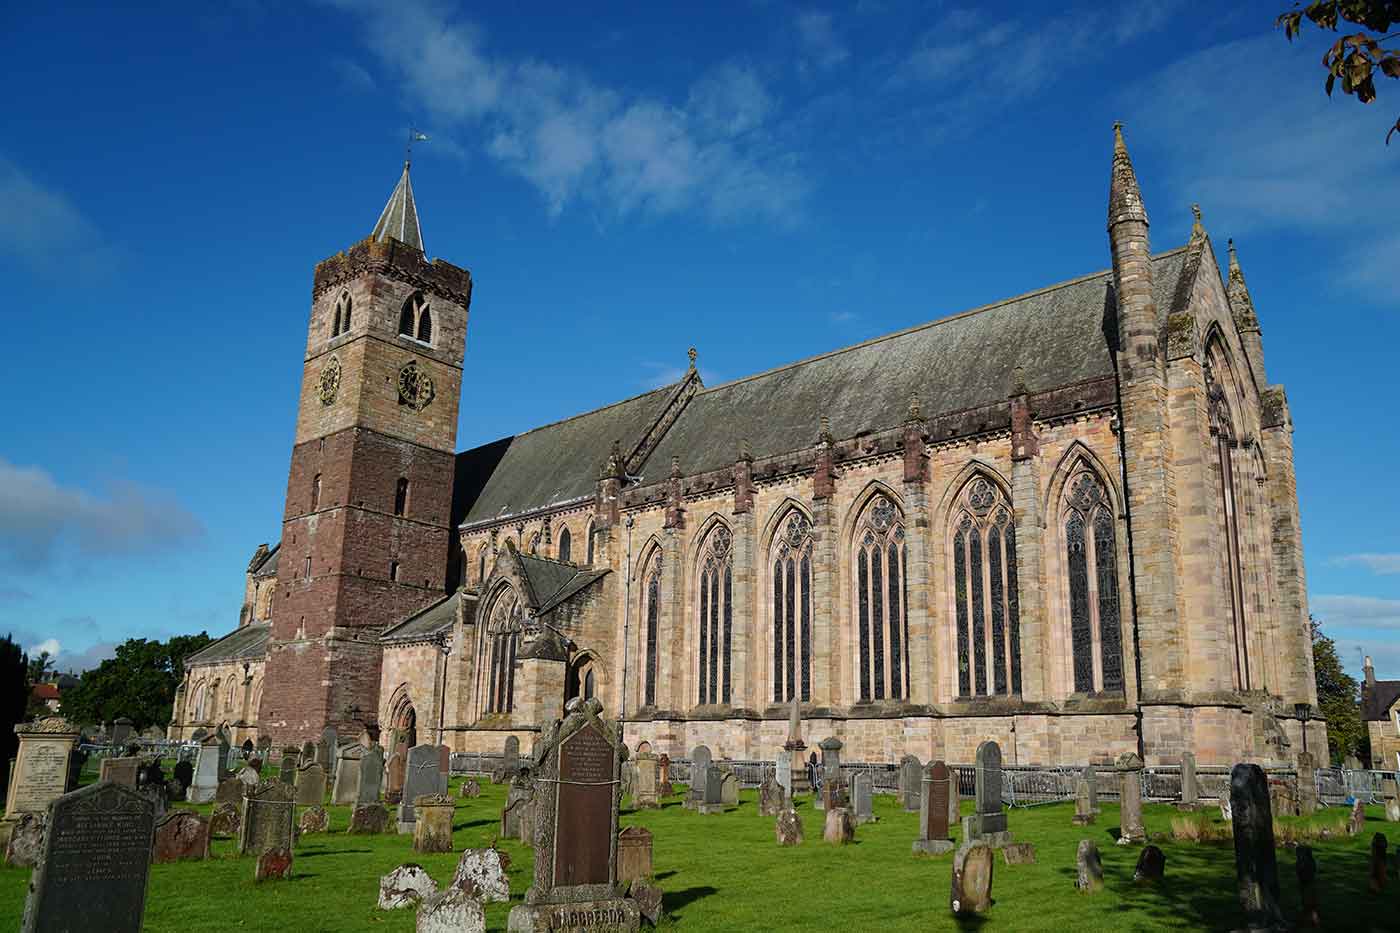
[
  {"x": 972, "y": 879},
  {"x": 936, "y": 783},
  {"x": 287, "y": 769},
  {"x": 782, "y": 773},
  {"x": 663, "y": 765},
  {"x": 1151, "y": 865},
  {"x": 121, "y": 732},
  {"x": 481, "y": 873},
  {"x": 713, "y": 799},
  {"x": 225, "y": 820},
  {"x": 184, "y": 773},
  {"x": 788, "y": 828},
  {"x": 988, "y": 824},
  {"x": 432, "y": 824},
  {"x": 633, "y": 854},
  {"x": 326, "y": 751},
  {"x": 371, "y": 765},
  {"x": 230, "y": 791},
  {"x": 206, "y": 773},
  {"x": 394, "y": 773},
  {"x": 579, "y": 763},
  {"x": 840, "y": 827},
  {"x": 1089, "y": 876},
  {"x": 308, "y": 753},
  {"x": 25, "y": 846},
  {"x": 248, "y": 776},
  {"x": 444, "y": 767},
  {"x": 421, "y": 776},
  {"x": 347, "y": 775},
  {"x": 95, "y": 864},
  {"x": 180, "y": 836},
  {"x": 729, "y": 789},
  {"x": 863, "y": 792},
  {"x": 450, "y": 911},
  {"x": 1306, "y": 868},
  {"x": 1130, "y": 828},
  {"x": 518, "y": 800},
  {"x": 267, "y": 819},
  {"x": 1083, "y": 803},
  {"x": 510, "y": 761},
  {"x": 405, "y": 886},
  {"x": 311, "y": 785},
  {"x": 1283, "y": 797},
  {"x": 313, "y": 819},
  {"x": 1256, "y": 867},
  {"x": 798, "y": 780},
  {"x": 700, "y": 759},
  {"x": 911, "y": 784},
  {"x": 771, "y": 798},
  {"x": 119, "y": 771},
  {"x": 1357, "y": 821},
  {"x": 1190, "y": 789},
  {"x": 369, "y": 819},
  {"x": 469, "y": 789},
  {"x": 1018, "y": 853},
  {"x": 225, "y": 748},
  {"x": 833, "y": 790},
  {"x": 1375, "y": 879},
  {"x": 1091, "y": 776},
  {"x": 42, "y": 766},
  {"x": 644, "y": 791},
  {"x": 274, "y": 864}
]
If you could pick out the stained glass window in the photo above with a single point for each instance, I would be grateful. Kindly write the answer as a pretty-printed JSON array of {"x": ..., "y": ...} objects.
[
  {"x": 716, "y": 616},
  {"x": 498, "y": 652},
  {"x": 1092, "y": 566},
  {"x": 653, "y": 610},
  {"x": 566, "y": 544},
  {"x": 792, "y": 608},
  {"x": 880, "y": 598},
  {"x": 1223, "y": 428},
  {"x": 984, "y": 591}
]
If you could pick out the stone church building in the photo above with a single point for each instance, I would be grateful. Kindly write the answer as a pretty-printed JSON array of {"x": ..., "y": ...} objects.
[{"x": 1066, "y": 521}]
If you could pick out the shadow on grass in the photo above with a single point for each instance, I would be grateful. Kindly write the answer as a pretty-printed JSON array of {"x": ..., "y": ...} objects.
[
  {"x": 971, "y": 921},
  {"x": 662, "y": 876},
  {"x": 675, "y": 900},
  {"x": 318, "y": 852},
  {"x": 457, "y": 826}
]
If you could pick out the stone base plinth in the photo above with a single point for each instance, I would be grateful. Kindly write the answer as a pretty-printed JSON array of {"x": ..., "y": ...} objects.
[
  {"x": 933, "y": 846},
  {"x": 1082, "y": 820},
  {"x": 406, "y": 829},
  {"x": 611, "y": 916},
  {"x": 709, "y": 808}
]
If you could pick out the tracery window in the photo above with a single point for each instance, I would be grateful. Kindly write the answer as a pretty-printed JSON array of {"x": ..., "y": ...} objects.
[
  {"x": 651, "y": 612},
  {"x": 881, "y": 627},
  {"x": 792, "y": 609},
  {"x": 1222, "y": 428},
  {"x": 498, "y": 652},
  {"x": 566, "y": 544},
  {"x": 1092, "y": 564},
  {"x": 342, "y": 315},
  {"x": 716, "y": 576},
  {"x": 988, "y": 624}
]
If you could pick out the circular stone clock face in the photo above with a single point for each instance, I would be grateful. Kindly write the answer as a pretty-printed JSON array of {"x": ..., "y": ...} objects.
[
  {"x": 330, "y": 381},
  {"x": 415, "y": 387}
]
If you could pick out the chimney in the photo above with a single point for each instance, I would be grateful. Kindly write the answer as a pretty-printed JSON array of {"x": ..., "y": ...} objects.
[{"x": 1370, "y": 674}]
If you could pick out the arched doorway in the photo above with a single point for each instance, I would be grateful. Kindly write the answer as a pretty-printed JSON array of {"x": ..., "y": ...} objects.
[{"x": 403, "y": 720}]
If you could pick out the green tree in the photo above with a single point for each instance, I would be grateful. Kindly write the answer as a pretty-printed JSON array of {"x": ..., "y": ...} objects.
[
  {"x": 138, "y": 683},
  {"x": 1338, "y": 699},
  {"x": 1353, "y": 59},
  {"x": 14, "y": 699}
]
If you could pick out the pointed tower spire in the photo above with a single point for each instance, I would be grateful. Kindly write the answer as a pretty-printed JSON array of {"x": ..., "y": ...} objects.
[
  {"x": 1124, "y": 197},
  {"x": 1241, "y": 304},
  {"x": 400, "y": 217}
]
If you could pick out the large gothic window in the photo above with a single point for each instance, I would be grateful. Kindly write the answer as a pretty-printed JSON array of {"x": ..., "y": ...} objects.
[
  {"x": 1222, "y": 428},
  {"x": 502, "y": 638},
  {"x": 565, "y": 544},
  {"x": 881, "y": 628},
  {"x": 716, "y": 583},
  {"x": 988, "y": 625},
  {"x": 651, "y": 613},
  {"x": 792, "y": 609},
  {"x": 1092, "y": 562}
]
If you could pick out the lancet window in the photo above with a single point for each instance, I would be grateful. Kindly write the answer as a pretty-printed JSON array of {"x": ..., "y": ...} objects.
[
  {"x": 651, "y": 613},
  {"x": 1092, "y": 562},
  {"x": 566, "y": 544},
  {"x": 498, "y": 651},
  {"x": 986, "y": 611},
  {"x": 881, "y": 627},
  {"x": 716, "y": 585},
  {"x": 792, "y": 609},
  {"x": 1222, "y": 428}
]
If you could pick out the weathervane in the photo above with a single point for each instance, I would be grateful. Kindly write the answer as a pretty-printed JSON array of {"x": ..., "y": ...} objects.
[{"x": 414, "y": 136}]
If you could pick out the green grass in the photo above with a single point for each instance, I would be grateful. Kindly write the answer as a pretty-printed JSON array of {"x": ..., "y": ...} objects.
[{"x": 725, "y": 872}]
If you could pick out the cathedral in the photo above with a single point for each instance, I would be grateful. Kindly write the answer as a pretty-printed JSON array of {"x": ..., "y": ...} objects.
[{"x": 1066, "y": 521}]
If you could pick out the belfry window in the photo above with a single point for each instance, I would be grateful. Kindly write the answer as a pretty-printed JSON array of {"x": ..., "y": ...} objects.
[
  {"x": 1092, "y": 564},
  {"x": 792, "y": 609},
  {"x": 342, "y": 315},
  {"x": 651, "y": 609},
  {"x": 498, "y": 652},
  {"x": 565, "y": 544},
  {"x": 881, "y": 629},
  {"x": 393, "y": 570},
  {"x": 425, "y": 325},
  {"x": 401, "y": 496},
  {"x": 986, "y": 611},
  {"x": 589, "y": 545},
  {"x": 716, "y": 580},
  {"x": 412, "y": 313}
]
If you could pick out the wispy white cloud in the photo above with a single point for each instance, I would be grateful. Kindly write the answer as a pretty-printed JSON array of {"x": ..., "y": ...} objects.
[
  {"x": 575, "y": 139},
  {"x": 841, "y": 317},
  {"x": 36, "y": 512},
  {"x": 55, "y": 238},
  {"x": 51, "y": 646},
  {"x": 1376, "y": 563},
  {"x": 1357, "y": 611},
  {"x": 820, "y": 41}
]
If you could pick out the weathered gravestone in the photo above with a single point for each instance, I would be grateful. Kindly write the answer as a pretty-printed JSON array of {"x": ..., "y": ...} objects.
[
  {"x": 644, "y": 790},
  {"x": 713, "y": 801},
  {"x": 25, "y": 846},
  {"x": 663, "y": 777},
  {"x": 346, "y": 789},
  {"x": 729, "y": 788},
  {"x": 1375, "y": 879},
  {"x": 287, "y": 768},
  {"x": 119, "y": 771},
  {"x": 510, "y": 761},
  {"x": 911, "y": 784},
  {"x": 633, "y": 854},
  {"x": 313, "y": 819},
  {"x": 371, "y": 765},
  {"x": 482, "y": 874},
  {"x": 230, "y": 791},
  {"x": 1151, "y": 865},
  {"x": 326, "y": 750},
  {"x": 1091, "y": 777},
  {"x": 788, "y": 828},
  {"x": 469, "y": 789},
  {"x": 771, "y": 798},
  {"x": 369, "y": 819},
  {"x": 311, "y": 785},
  {"x": 181, "y": 836},
  {"x": 405, "y": 886},
  {"x": 1307, "y": 784},
  {"x": 225, "y": 819},
  {"x": 782, "y": 774},
  {"x": 1130, "y": 828},
  {"x": 1357, "y": 821},
  {"x": 579, "y": 766},
  {"x": 432, "y": 824},
  {"x": 1256, "y": 867},
  {"x": 394, "y": 773},
  {"x": 863, "y": 796},
  {"x": 833, "y": 788},
  {"x": 450, "y": 911},
  {"x": 988, "y": 824},
  {"x": 1190, "y": 788},
  {"x": 184, "y": 773},
  {"x": 972, "y": 879},
  {"x": 700, "y": 759},
  {"x": 1089, "y": 866},
  {"x": 936, "y": 784},
  {"x": 96, "y": 860},
  {"x": 519, "y": 798},
  {"x": 1306, "y": 867},
  {"x": 840, "y": 827},
  {"x": 41, "y": 767},
  {"x": 206, "y": 772},
  {"x": 420, "y": 777},
  {"x": 267, "y": 819},
  {"x": 1083, "y": 803},
  {"x": 225, "y": 747},
  {"x": 308, "y": 753}
]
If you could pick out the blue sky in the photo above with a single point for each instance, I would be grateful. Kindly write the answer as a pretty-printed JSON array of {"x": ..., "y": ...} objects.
[{"x": 765, "y": 181}]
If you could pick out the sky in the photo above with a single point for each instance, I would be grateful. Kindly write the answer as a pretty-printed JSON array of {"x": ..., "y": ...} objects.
[{"x": 764, "y": 181}]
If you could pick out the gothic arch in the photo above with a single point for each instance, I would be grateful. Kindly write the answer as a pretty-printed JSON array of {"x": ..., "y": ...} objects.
[
  {"x": 876, "y": 556},
  {"x": 402, "y": 717},
  {"x": 1075, "y": 454},
  {"x": 1089, "y": 564},
  {"x": 499, "y": 642},
  {"x": 786, "y": 603},
  {"x": 777, "y": 516},
  {"x": 651, "y": 595},
  {"x": 713, "y": 610},
  {"x": 199, "y": 700},
  {"x": 586, "y": 677},
  {"x": 984, "y": 637},
  {"x": 958, "y": 484},
  {"x": 590, "y": 536},
  {"x": 872, "y": 489},
  {"x": 564, "y": 543},
  {"x": 703, "y": 531}
]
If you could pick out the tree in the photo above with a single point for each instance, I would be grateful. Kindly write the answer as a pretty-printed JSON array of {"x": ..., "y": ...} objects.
[
  {"x": 1353, "y": 59},
  {"x": 14, "y": 698},
  {"x": 39, "y": 668},
  {"x": 139, "y": 683},
  {"x": 1338, "y": 699}
]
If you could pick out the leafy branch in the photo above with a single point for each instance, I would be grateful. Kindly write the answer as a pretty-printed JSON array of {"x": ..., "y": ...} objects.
[{"x": 1353, "y": 59}]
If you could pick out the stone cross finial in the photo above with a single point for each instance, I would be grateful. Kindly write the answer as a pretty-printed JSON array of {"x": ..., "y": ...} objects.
[
  {"x": 745, "y": 449},
  {"x": 825, "y": 435},
  {"x": 1018, "y": 381},
  {"x": 692, "y": 354},
  {"x": 915, "y": 413},
  {"x": 675, "y": 467},
  {"x": 1196, "y": 229}
]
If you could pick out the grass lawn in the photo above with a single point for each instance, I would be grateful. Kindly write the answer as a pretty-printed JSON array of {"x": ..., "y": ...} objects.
[{"x": 724, "y": 872}]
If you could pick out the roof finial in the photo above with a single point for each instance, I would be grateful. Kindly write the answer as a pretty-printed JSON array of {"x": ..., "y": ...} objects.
[
  {"x": 825, "y": 435},
  {"x": 915, "y": 413},
  {"x": 1196, "y": 229},
  {"x": 675, "y": 467},
  {"x": 745, "y": 449},
  {"x": 692, "y": 354}
]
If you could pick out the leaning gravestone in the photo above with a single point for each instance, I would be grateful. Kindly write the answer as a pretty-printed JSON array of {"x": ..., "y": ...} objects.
[
  {"x": 579, "y": 765},
  {"x": 421, "y": 777},
  {"x": 311, "y": 785},
  {"x": 1130, "y": 828},
  {"x": 936, "y": 784},
  {"x": 267, "y": 819},
  {"x": 347, "y": 775},
  {"x": 700, "y": 759},
  {"x": 988, "y": 824},
  {"x": 206, "y": 773},
  {"x": 1190, "y": 789},
  {"x": 771, "y": 798},
  {"x": 371, "y": 766},
  {"x": 1089, "y": 867},
  {"x": 788, "y": 828},
  {"x": 41, "y": 767},
  {"x": 911, "y": 784},
  {"x": 972, "y": 879},
  {"x": 1256, "y": 866},
  {"x": 180, "y": 836},
  {"x": 782, "y": 773},
  {"x": 96, "y": 860}
]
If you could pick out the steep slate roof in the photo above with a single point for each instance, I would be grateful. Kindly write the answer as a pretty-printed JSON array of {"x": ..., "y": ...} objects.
[
  {"x": 555, "y": 463},
  {"x": 1375, "y": 703},
  {"x": 400, "y": 216},
  {"x": 431, "y": 621},
  {"x": 268, "y": 567},
  {"x": 248, "y": 642},
  {"x": 551, "y": 582}
]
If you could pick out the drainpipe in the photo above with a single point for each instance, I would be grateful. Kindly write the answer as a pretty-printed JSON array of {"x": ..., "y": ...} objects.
[
  {"x": 626, "y": 622},
  {"x": 442, "y": 690}
]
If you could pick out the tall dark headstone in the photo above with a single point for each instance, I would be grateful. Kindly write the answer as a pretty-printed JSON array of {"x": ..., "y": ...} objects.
[
  {"x": 421, "y": 777},
  {"x": 988, "y": 824},
  {"x": 96, "y": 860},
  {"x": 700, "y": 759},
  {"x": 935, "y": 784},
  {"x": 1190, "y": 789},
  {"x": 371, "y": 765},
  {"x": 579, "y": 767},
  {"x": 1130, "y": 827},
  {"x": 1256, "y": 868},
  {"x": 911, "y": 783}
]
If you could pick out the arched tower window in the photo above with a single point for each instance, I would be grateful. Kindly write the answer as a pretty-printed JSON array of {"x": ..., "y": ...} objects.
[
  {"x": 881, "y": 629},
  {"x": 401, "y": 496},
  {"x": 988, "y": 626},
  {"x": 425, "y": 325},
  {"x": 651, "y": 612},
  {"x": 342, "y": 315},
  {"x": 716, "y": 582},
  {"x": 565, "y": 543},
  {"x": 1091, "y": 558},
  {"x": 1222, "y": 428},
  {"x": 535, "y": 543},
  {"x": 410, "y": 314},
  {"x": 589, "y": 545},
  {"x": 481, "y": 565},
  {"x": 498, "y": 652},
  {"x": 791, "y": 562}
]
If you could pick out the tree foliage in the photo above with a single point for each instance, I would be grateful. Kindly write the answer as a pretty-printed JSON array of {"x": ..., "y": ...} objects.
[
  {"x": 14, "y": 698},
  {"x": 1338, "y": 699},
  {"x": 1353, "y": 59},
  {"x": 139, "y": 683}
]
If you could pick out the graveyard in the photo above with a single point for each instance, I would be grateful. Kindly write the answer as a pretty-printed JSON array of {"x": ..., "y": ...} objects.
[{"x": 718, "y": 867}]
